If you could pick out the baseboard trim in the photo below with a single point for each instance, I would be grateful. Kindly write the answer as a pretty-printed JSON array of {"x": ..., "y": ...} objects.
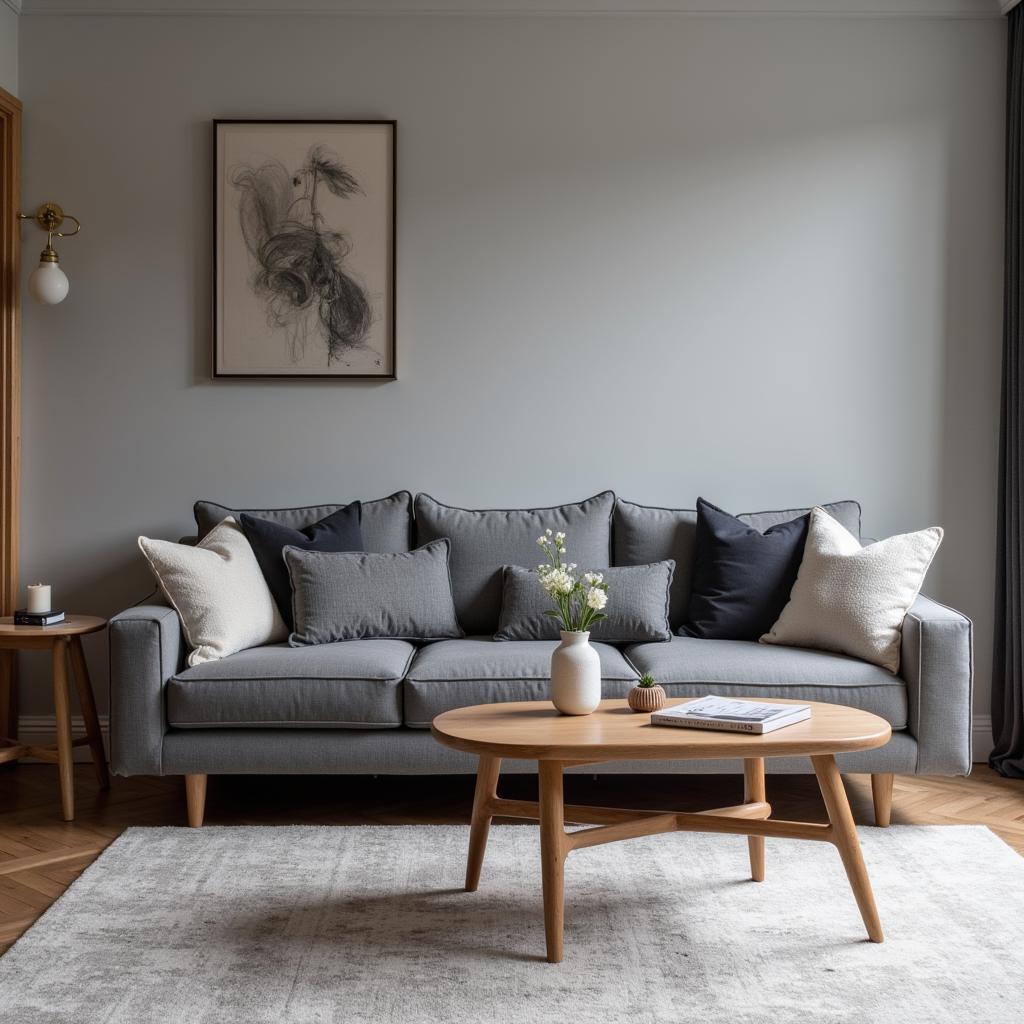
[
  {"x": 41, "y": 730},
  {"x": 982, "y": 738}
]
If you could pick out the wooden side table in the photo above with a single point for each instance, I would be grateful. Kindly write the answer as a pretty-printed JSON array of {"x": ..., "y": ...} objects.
[{"x": 63, "y": 640}]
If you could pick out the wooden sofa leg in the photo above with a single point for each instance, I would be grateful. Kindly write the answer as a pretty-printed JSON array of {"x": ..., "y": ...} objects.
[
  {"x": 195, "y": 795},
  {"x": 881, "y": 794}
]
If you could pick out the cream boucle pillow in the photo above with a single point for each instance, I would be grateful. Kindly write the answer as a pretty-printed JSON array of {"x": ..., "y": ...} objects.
[
  {"x": 853, "y": 599},
  {"x": 218, "y": 591}
]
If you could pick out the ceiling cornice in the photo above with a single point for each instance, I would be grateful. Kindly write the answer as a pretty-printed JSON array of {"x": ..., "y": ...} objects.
[{"x": 965, "y": 9}]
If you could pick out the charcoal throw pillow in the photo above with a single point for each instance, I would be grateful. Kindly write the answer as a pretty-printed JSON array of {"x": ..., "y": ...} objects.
[
  {"x": 853, "y": 599},
  {"x": 359, "y": 595},
  {"x": 741, "y": 577},
  {"x": 337, "y": 532},
  {"x": 637, "y": 606}
]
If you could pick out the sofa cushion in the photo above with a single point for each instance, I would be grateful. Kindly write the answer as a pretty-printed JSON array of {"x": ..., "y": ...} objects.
[
  {"x": 637, "y": 609},
  {"x": 479, "y": 670},
  {"x": 485, "y": 540},
  {"x": 386, "y": 523},
  {"x": 688, "y": 667},
  {"x": 645, "y": 533},
  {"x": 355, "y": 595},
  {"x": 354, "y": 685}
]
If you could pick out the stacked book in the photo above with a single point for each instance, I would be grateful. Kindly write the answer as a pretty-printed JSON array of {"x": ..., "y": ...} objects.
[
  {"x": 23, "y": 617},
  {"x": 732, "y": 715}
]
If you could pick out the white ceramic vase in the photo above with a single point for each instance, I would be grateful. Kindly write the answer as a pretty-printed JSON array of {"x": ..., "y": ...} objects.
[{"x": 575, "y": 675}]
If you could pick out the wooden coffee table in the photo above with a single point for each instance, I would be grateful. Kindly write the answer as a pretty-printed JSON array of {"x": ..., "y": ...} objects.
[{"x": 536, "y": 731}]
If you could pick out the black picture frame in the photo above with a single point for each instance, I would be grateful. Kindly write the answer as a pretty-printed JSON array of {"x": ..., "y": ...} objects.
[{"x": 324, "y": 301}]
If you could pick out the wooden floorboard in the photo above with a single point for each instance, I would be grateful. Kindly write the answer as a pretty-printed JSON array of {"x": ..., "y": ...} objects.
[{"x": 40, "y": 855}]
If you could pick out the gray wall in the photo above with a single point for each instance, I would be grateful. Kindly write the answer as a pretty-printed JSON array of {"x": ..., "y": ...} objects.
[
  {"x": 8, "y": 49},
  {"x": 760, "y": 258}
]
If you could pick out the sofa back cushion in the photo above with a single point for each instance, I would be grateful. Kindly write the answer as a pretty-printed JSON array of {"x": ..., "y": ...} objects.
[
  {"x": 645, "y": 533},
  {"x": 386, "y": 523},
  {"x": 483, "y": 541}
]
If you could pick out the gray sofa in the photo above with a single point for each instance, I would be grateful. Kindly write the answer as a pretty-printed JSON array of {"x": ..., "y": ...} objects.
[{"x": 365, "y": 706}]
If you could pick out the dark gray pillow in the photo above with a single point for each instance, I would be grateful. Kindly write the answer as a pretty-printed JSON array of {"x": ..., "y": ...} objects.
[
  {"x": 355, "y": 595},
  {"x": 386, "y": 522},
  {"x": 645, "y": 533},
  {"x": 484, "y": 541},
  {"x": 637, "y": 605}
]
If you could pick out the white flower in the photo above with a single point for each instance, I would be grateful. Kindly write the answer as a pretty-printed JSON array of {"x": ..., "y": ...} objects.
[
  {"x": 542, "y": 541},
  {"x": 548, "y": 532},
  {"x": 557, "y": 581},
  {"x": 593, "y": 577},
  {"x": 596, "y": 598},
  {"x": 559, "y": 538}
]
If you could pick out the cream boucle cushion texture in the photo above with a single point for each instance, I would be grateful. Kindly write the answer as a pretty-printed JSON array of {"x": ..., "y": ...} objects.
[
  {"x": 853, "y": 599},
  {"x": 218, "y": 591}
]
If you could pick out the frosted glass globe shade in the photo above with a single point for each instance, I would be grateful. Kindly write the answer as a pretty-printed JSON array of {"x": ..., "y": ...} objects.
[{"x": 48, "y": 284}]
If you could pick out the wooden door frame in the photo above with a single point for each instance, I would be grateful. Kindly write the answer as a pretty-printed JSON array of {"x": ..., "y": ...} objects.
[{"x": 10, "y": 390}]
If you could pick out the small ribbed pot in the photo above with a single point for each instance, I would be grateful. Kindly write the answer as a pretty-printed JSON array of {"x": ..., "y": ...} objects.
[{"x": 647, "y": 698}]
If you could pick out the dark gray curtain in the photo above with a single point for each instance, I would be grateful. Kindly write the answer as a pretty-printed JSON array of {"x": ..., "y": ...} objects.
[{"x": 1008, "y": 664}]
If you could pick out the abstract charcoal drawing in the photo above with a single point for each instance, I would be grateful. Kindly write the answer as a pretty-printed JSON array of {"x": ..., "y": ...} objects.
[
  {"x": 305, "y": 272},
  {"x": 300, "y": 260}
]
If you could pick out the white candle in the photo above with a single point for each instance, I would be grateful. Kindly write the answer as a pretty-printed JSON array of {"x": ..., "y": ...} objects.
[{"x": 38, "y": 598}]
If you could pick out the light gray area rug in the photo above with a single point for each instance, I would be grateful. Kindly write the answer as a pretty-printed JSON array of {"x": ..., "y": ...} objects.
[{"x": 361, "y": 925}]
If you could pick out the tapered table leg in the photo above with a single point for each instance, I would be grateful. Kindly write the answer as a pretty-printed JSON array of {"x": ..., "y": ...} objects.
[
  {"x": 87, "y": 702},
  {"x": 480, "y": 824},
  {"x": 552, "y": 855},
  {"x": 839, "y": 814},
  {"x": 754, "y": 792},
  {"x": 62, "y": 709}
]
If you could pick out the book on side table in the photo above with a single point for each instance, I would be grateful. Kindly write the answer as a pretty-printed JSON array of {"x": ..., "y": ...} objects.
[
  {"x": 23, "y": 617},
  {"x": 732, "y": 715}
]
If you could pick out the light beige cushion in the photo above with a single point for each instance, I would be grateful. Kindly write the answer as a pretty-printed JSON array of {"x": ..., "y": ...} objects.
[
  {"x": 853, "y": 599},
  {"x": 218, "y": 591}
]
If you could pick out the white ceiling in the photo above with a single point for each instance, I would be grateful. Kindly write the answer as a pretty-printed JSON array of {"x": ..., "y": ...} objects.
[{"x": 863, "y": 8}]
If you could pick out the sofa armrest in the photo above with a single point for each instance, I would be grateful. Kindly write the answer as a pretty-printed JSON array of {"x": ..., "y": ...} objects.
[
  {"x": 146, "y": 649},
  {"x": 937, "y": 664}
]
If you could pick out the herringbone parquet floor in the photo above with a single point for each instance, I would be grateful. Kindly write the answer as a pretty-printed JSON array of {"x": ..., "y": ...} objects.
[{"x": 40, "y": 855}]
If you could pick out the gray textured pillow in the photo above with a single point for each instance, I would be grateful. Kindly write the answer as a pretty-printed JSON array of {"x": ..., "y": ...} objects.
[
  {"x": 637, "y": 606},
  {"x": 644, "y": 534},
  {"x": 386, "y": 523},
  {"x": 355, "y": 595},
  {"x": 484, "y": 541}
]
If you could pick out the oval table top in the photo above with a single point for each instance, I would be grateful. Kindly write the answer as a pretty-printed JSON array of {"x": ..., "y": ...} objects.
[
  {"x": 535, "y": 730},
  {"x": 73, "y": 625}
]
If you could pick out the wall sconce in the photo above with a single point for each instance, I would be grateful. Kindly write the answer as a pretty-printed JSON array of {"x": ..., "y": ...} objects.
[{"x": 48, "y": 284}]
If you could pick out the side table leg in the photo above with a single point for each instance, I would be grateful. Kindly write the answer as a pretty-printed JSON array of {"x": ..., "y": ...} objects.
[
  {"x": 480, "y": 824},
  {"x": 62, "y": 710},
  {"x": 87, "y": 702},
  {"x": 552, "y": 855},
  {"x": 754, "y": 792},
  {"x": 839, "y": 814}
]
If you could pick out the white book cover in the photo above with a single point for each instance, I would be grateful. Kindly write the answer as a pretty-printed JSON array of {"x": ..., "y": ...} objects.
[{"x": 734, "y": 715}]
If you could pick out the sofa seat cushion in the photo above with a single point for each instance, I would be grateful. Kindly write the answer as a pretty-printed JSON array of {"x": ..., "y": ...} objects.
[
  {"x": 690, "y": 667},
  {"x": 478, "y": 670},
  {"x": 352, "y": 685}
]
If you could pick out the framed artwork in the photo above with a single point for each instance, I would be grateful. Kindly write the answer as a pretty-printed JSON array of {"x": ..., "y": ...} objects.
[{"x": 304, "y": 249}]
